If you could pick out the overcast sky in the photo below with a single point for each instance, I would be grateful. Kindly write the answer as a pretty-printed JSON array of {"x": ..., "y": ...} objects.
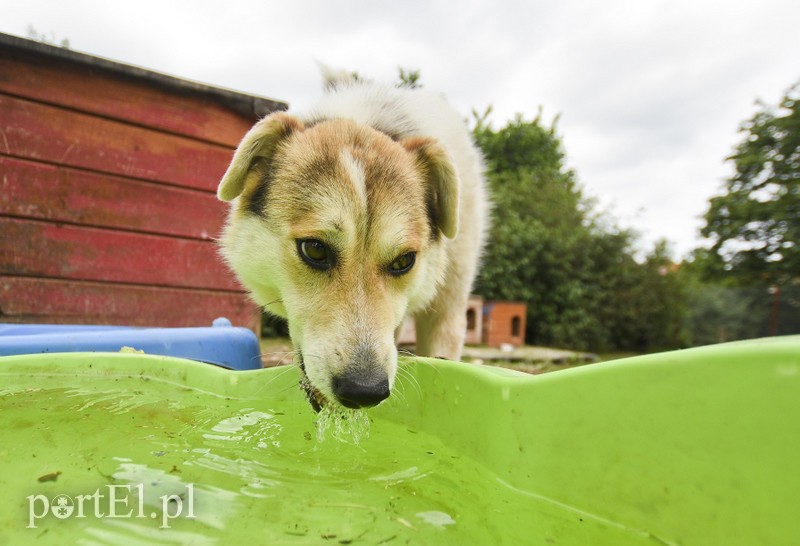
[{"x": 650, "y": 93}]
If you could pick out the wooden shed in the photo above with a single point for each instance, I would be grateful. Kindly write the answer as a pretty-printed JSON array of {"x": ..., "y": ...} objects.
[
  {"x": 474, "y": 334},
  {"x": 504, "y": 323},
  {"x": 108, "y": 175}
]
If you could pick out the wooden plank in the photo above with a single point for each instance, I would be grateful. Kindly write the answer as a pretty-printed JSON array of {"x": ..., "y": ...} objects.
[
  {"x": 42, "y": 249},
  {"x": 47, "y": 192},
  {"x": 58, "y": 302},
  {"x": 35, "y": 131},
  {"x": 140, "y": 102}
]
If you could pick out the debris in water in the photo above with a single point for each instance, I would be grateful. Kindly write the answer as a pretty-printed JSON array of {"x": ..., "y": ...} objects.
[{"x": 53, "y": 476}]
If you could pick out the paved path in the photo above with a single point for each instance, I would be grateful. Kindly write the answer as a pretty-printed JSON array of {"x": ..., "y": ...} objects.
[{"x": 528, "y": 354}]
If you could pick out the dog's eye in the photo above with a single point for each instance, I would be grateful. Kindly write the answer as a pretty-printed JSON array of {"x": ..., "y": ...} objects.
[
  {"x": 403, "y": 264},
  {"x": 314, "y": 253}
]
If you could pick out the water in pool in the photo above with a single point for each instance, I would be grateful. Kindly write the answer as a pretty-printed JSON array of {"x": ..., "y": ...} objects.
[{"x": 140, "y": 465}]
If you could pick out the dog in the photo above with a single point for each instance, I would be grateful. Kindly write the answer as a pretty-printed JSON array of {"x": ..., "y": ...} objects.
[{"x": 369, "y": 207}]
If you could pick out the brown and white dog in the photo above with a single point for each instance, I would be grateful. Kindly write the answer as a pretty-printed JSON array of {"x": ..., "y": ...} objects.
[{"x": 345, "y": 219}]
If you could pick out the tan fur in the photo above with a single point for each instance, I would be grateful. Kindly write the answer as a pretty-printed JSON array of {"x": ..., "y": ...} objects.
[{"x": 368, "y": 196}]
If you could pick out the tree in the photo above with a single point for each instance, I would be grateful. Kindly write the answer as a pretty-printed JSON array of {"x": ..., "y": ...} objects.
[
  {"x": 409, "y": 78},
  {"x": 755, "y": 223},
  {"x": 572, "y": 266},
  {"x": 532, "y": 240},
  {"x": 49, "y": 39}
]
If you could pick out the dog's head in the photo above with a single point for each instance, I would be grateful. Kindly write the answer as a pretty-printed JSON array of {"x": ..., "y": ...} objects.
[{"x": 338, "y": 228}]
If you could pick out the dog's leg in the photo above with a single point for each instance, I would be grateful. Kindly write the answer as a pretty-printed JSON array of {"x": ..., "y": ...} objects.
[
  {"x": 441, "y": 328},
  {"x": 440, "y": 332}
]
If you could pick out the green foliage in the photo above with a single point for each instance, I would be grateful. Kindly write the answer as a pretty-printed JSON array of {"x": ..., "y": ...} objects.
[
  {"x": 409, "y": 78},
  {"x": 49, "y": 39},
  {"x": 578, "y": 274},
  {"x": 719, "y": 313},
  {"x": 755, "y": 223},
  {"x": 748, "y": 282},
  {"x": 722, "y": 308},
  {"x": 579, "y": 279}
]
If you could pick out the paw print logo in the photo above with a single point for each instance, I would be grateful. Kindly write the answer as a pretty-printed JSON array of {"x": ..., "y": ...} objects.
[{"x": 62, "y": 506}]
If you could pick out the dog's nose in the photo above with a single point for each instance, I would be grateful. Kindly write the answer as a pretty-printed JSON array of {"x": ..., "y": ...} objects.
[{"x": 355, "y": 390}]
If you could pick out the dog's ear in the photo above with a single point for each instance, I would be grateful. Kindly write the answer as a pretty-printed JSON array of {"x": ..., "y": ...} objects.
[
  {"x": 260, "y": 142},
  {"x": 442, "y": 180}
]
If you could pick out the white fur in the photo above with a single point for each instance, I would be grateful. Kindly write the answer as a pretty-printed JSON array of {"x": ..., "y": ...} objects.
[{"x": 356, "y": 174}]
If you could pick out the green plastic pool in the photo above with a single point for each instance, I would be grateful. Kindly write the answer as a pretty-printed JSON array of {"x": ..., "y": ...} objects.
[{"x": 697, "y": 447}]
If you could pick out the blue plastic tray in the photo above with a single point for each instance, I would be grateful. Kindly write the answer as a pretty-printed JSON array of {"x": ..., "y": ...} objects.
[{"x": 221, "y": 344}]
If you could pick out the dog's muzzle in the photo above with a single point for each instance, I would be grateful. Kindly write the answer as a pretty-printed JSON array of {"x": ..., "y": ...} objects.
[{"x": 357, "y": 390}]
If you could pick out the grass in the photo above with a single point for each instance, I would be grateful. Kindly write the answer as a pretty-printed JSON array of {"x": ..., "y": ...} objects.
[
  {"x": 545, "y": 367},
  {"x": 605, "y": 357},
  {"x": 276, "y": 351}
]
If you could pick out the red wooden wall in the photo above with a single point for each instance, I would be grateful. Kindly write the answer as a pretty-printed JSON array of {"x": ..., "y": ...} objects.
[{"x": 107, "y": 181}]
